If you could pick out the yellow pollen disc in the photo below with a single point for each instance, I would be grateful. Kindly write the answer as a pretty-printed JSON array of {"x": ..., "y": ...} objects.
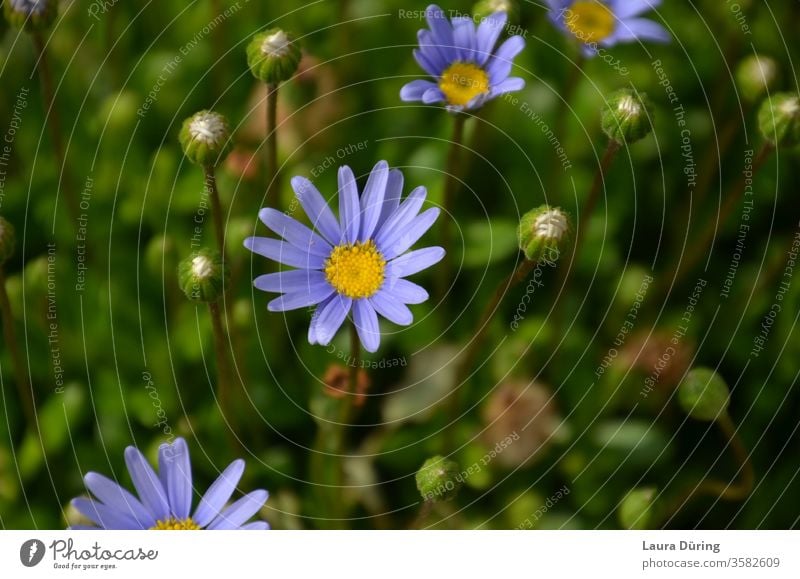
[
  {"x": 356, "y": 270},
  {"x": 172, "y": 524},
  {"x": 590, "y": 21},
  {"x": 462, "y": 82}
]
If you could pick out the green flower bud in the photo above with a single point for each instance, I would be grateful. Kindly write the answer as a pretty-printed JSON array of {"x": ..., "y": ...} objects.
[
  {"x": 755, "y": 76},
  {"x": 273, "y": 56},
  {"x": 779, "y": 119},
  {"x": 31, "y": 15},
  {"x": 485, "y": 8},
  {"x": 542, "y": 232},
  {"x": 205, "y": 138},
  {"x": 202, "y": 276},
  {"x": 635, "y": 511},
  {"x": 7, "y": 240},
  {"x": 703, "y": 394},
  {"x": 439, "y": 479},
  {"x": 627, "y": 116}
]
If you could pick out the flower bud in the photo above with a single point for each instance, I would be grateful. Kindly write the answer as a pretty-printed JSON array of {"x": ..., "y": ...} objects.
[
  {"x": 205, "y": 138},
  {"x": 541, "y": 233},
  {"x": 7, "y": 240},
  {"x": 779, "y": 119},
  {"x": 485, "y": 8},
  {"x": 627, "y": 116},
  {"x": 439, "y": 479},
  {"x": 755, "y": 75},
  {"x": 635, "y": 511},
  {"x": 31, "y": 15},
  {"x": 273, "y": 56},
  {"x": 202, "y": 276},
  {"x": 703, "y": 394}
]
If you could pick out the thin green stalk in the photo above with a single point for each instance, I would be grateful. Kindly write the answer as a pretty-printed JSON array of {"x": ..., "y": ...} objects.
[
  {"x": 53, "y": 121},
  {"x": 273, "y": 176},
  {"x": 216, "y": 209},
  {"x": 224, "y": 372},
  {"x": 450, "y": 189},
  {"x": 9, "y": 335}
]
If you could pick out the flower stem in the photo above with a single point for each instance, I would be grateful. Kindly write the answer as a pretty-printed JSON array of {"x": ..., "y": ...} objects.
[
  {"x": 53, "y": 121},
  {"x": 464, "y": 364},
  {"x": 701, "y": 246},
  {"x": 9, "y": 335},
  {"x": 728, "y": 491},
  {"x": 224, "y": 373},
  {"x": 448, "y": 202},
  {"x": 567, "y": 94},
  {"x": 273, "y": 177},
  {"x": 216, "y": 209}
]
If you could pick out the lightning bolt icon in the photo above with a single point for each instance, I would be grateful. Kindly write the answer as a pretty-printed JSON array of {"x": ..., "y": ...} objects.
[{"x": 32, "y": 552}]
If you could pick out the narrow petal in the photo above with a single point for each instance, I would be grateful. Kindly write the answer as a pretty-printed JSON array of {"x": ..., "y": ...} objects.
[
  {"x": 439, "y": 55},
  {"x": 627, "y": 8},
  {"x": 391, "y": 201},
  {"x": 255, "y": 526},
  {"x": 310, "y": 296},
  {"x": 414, "y": 90},
  {"x": 406, "y": 291},
  {"x": 464, "y": 37},
  {"x": 104, "y": 516},
  {"x": 175, "y": 469},
  {"x": 295, "y": 232},
  {"x": 409, "y": 234},
  {"x": 372, "y": 199},
  {"x": 501, "y": 63},
  {"x": 511, "y": 84},
  {"x": 391, "y": 309},
  {"x": 427, "y": 63},
  {"x": 414, "y": 261},
  {"x": 486, "y": 37},
  {"x": 331, "y": 318},
  {"x": 349, "y": 208},
  {"x": 402, "y": 216},
  {"x": 312, "y": 326},
  {"x": 634, "y": 29},
  {"x": 218, "y": 493},
  {"x": 283, "y": 252},
  {"x": 240, "y": 511},
  {"x": 292, "y": 281},
  {"x": 433, "y": 95},
  {"x": 439, "y": 25},
  {"x": 366, "y": 321},
  {"x": 317, "y": 209},
  {"x": 114, "y": 495},
  {"x": 148, "y": 486}
]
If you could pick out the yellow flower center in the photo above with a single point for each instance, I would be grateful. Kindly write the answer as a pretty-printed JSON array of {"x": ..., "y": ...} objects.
[
  {"x": 173, "y": 524},
  {"x": 590, "y": 21},
  {"x": 462, "y": 82},
  {"x": 356, "y": 270}
]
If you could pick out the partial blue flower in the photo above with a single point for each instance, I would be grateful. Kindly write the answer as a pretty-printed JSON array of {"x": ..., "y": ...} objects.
[
  {"x": 164, "y": 500},
  {"x": 357, "y": 263},
  {"x": 467, "y": 69},
  {"x": 604, "y": 23}
]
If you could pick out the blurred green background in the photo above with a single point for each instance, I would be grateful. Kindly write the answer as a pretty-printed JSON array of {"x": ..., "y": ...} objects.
[{"x": 129, "y": 332}]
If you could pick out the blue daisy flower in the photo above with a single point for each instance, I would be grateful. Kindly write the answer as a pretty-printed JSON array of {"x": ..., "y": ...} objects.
[
  {"x": 357, "y": 263},
  {"x": 604, "y": 23},
  {"x": 165, "y": 499},
  {"x": 462, "y": 59}
]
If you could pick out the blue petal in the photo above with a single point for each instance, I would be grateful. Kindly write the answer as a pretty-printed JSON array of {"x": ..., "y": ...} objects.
[
  {"x": 113, "y": 495},
  {"x": 634, "y": 29},
  {"x": 488, "y": 32},
  {"x": 175, "y": 469},
  {"x": 627, "y": 8},
  {"x": 391, "y": 201},
  {"x": 238, "y": 513},
  {"x": 372, "y": 199},
  {"x": 427, "y": 63},
  {"x": 406, "y": 291},
  {"x": 439, "y": 56},
  {"x": 500, "y": 65},
  {"x": 147, "y": 484},
  {"x": 439, "y": 25},
  {"x": 309, "y": 296},
  {"x": 410, "y": 234},
  {"x": 255, "y": 526},
  {"x": 414, "y": 90},
  {"x": 283, "y": 252},
  {"x": 414, "y": 261},
  {"x": 106, "y": 517},
  {"x": 295, "y": 232},
  {"x": 387, "y": 306},
  {"x": 433, "y": 95},
  {"x": 317, "y": 209},
  {"x": 366, "y": 321},
  {"x": 511, "y": 84},
  {"x": 349, "y": 208},
  {"x": 218, "y": 493},
  {"x": 330, "y": 318},
  {"x": 402, "y": 216},
  {"x": 464, "y": 37},
  {"x": 292, "y": 281}
]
